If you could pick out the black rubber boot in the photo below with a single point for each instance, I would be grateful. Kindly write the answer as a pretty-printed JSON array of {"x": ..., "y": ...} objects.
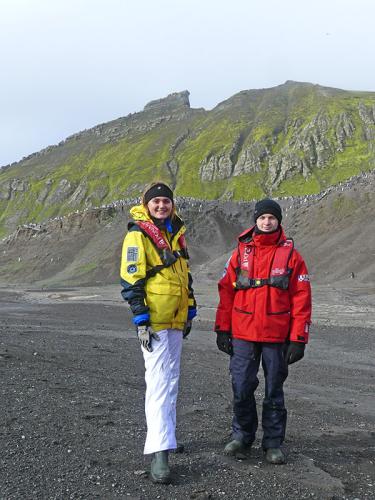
[
  {"x": 160, "y": 472},
  {"x": 275, "y": 456},
  {"x": 237, "y": 449}
]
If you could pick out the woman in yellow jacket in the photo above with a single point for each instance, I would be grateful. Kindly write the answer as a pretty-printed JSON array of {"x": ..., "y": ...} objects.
[{"x": 157, "y": 285}]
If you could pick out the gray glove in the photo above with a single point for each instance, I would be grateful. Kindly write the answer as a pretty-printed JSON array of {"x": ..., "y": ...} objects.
[{"x": 145, "y": 335}]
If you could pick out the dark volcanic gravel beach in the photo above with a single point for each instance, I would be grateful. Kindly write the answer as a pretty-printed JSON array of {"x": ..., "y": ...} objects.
[{"x": 72, "y": 422}]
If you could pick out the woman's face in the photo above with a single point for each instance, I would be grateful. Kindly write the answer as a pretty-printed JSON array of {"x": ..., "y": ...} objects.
[{"x": 160, "y": 207}]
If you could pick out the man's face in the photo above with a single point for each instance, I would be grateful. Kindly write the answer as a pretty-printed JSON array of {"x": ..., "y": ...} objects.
[
  {"x": 160, "y": 207},
  {"x": 267, "y": 223}
]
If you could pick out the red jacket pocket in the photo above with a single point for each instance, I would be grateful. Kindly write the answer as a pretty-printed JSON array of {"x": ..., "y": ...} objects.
[{"x": 278, "y": 301}]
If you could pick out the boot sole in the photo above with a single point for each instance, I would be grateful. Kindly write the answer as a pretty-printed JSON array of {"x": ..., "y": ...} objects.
[
  {"x": 241, "y": 454},
  {"x": 160, "y": 480},
  {"x": 281, "y": 461}
]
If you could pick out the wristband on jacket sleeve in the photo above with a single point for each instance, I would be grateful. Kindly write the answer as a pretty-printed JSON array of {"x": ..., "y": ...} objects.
[
  {"x": 141, "y": 319},
  {"x": 192, "y": 312}
]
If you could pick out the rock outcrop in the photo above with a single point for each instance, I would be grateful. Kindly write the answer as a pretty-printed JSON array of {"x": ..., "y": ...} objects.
[
  {"x": 172, "y": 102},
  {"x": 305, "y": 146},
  {"x": 9, "y": 189}
]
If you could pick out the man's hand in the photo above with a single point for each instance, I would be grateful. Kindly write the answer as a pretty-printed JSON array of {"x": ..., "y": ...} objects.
[
  {"x": 294, "y": 351},
  {"x": 145, "y": 335},
  {"x": 187, "y": 328},
  {"x": 224, "y": 342}
]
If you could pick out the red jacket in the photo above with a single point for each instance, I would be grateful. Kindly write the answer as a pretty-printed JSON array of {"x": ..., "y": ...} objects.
[{"x": 264, "y": 313}]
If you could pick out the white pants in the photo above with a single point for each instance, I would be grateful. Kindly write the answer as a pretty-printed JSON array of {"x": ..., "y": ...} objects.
[{"x": 162, "y": 374}]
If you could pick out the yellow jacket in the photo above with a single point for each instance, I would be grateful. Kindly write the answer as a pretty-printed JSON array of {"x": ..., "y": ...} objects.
[{"x": 166, "y": 296}]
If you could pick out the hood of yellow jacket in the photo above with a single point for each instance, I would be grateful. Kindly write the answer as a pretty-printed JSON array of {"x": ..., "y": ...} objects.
[{"x": 139, "y": 212}]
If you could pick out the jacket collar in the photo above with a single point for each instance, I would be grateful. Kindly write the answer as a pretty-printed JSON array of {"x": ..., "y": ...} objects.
[{"x": 250, "y": 237}]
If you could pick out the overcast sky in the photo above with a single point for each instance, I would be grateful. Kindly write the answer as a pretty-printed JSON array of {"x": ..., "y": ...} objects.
[{"x": 67, "y": 65}]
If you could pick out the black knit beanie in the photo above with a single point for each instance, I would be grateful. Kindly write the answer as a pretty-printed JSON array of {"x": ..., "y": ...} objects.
[
  {"x": 267, "y": 207},
  {"x": 156, "y": 190}
]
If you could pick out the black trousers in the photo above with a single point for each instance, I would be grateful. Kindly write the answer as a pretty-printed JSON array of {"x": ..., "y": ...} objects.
[{"x": 244, "y": 367}]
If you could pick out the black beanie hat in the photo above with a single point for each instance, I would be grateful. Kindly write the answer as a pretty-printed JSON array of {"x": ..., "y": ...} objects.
[
  {"x": 158, "y": 189},
  {"x": 267, "y": 207}
]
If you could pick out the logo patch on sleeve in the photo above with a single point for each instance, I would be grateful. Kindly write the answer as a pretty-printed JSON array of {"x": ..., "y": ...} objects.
[
  {"x": 303, "y": 277},
  {"x": 132, "y": 269},
  {"x": 132, "y": 254}
]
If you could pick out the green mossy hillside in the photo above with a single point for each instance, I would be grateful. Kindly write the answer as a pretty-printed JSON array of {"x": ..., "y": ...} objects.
[{"x": 289, "y": 140}]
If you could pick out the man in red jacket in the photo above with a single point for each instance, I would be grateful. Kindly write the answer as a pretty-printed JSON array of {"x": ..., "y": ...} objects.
[{"x": 264, "y": 314}]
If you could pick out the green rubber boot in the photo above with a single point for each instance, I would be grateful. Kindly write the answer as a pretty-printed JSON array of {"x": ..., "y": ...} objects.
[
  {"x": 160, "y": 472},
  {"x": 236, "y": 448},
  {"x": 275, "y": 456}
]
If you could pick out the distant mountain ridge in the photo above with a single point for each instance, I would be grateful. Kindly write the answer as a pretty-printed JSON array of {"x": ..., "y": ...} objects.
[{"x": 289, "y": 140}]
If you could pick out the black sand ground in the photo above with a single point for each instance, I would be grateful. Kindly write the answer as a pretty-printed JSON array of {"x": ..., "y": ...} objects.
[{"x": 72, "y": 423}]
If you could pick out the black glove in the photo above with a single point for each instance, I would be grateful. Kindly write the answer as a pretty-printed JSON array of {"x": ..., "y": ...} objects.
[
  {"x": 294, "y": 351},
  {"x": 187, "y": 328},
  {"x": 145, "y": 335},
  {"x": 224, "y": 342}
]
